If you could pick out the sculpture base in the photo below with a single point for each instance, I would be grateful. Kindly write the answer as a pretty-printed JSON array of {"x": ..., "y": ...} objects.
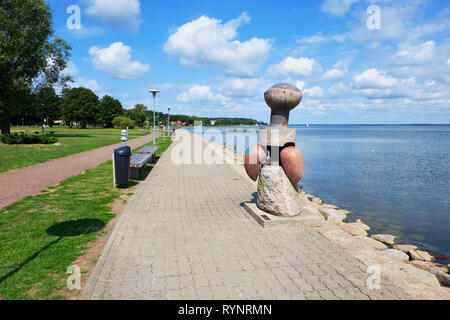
[
  {"x": 276, "y": 195},
  {"x": 269, "y": 221}
]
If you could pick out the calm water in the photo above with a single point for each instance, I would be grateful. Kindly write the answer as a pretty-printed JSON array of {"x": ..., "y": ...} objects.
[{"x": 396, "y": 177}]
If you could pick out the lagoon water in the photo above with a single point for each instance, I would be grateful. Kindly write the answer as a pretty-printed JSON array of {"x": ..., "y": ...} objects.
[{"x": 396, "y": 178}]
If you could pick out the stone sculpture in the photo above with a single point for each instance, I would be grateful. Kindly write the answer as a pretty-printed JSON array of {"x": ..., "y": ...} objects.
[{"x": 276, "y": 162}]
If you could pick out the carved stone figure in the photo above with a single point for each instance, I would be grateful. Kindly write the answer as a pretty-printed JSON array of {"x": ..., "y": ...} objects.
[{"x": 276, "y": 162}]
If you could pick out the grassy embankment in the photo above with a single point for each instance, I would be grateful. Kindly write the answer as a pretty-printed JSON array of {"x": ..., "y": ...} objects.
[
  {"x": 41, "y": 236},
  {"x": 72, "y": 141}
]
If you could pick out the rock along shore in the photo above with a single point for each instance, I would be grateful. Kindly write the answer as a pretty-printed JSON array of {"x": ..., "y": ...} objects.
[{"x": 405, "y": 265}]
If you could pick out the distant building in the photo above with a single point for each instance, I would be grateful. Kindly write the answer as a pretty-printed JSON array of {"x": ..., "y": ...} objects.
[{"x": 213, "y": 122}]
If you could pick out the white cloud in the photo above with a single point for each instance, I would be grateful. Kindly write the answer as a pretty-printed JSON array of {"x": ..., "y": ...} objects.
[
  {"x": 333, "y": 74},
  {"x": 373, "y": 79},
  {"x": 292, "y": 66},
  {"x": 300, "y": 84},
  {"x": 70, "y": 70},
  {"x": 243, "y": 87},
  {"x": 414, "y": 55},
  {"x": 314, "y": 92},
  {"x": 200, "y": 93},
  {"x": 448, "y": 61},
  {"x": 337, "y": 7},
  {"x": 207, "y": 42},
  {"x": 116, "y": 60},
  {"x": 123, "y": 14}
]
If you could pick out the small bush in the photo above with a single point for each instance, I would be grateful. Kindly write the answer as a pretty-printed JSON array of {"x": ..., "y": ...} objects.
[
  {"x": 123, "y": 123},
  {"x": 16, "y": 138}
]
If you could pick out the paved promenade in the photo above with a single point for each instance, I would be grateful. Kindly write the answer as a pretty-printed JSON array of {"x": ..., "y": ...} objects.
[
  {"x": 185, "y": 235},
  {"x": 19, "y": 183}
]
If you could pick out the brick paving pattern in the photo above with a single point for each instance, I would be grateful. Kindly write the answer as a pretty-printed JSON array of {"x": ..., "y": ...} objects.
[
  {"x": 19, "y": 183},
  {"x": 185, "y": 235}
]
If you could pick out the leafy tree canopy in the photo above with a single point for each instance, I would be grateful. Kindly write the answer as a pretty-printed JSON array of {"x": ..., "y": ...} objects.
[
  {"x": 80, "y": 105},
  {"x": 109, "y": 109},
  {"x": 31, "y": 55}
]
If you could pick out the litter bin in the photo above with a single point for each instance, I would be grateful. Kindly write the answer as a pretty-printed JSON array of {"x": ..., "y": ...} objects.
[{"x": 122, "y": 157}]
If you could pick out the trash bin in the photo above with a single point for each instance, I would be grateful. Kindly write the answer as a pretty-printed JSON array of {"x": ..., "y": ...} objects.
[{"x": 122, "y": 157}]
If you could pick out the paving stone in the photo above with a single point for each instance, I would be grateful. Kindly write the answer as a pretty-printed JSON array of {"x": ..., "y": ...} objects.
[{"x": 186, "y": 235}]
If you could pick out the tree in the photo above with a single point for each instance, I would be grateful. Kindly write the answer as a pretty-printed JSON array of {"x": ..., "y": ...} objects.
[
  {"x": 123, "y": 123},
  {"x": 48, "y": 104},
  {"x": 31, "y": 55},
  {"x": 80, "y": 105},
  {"x": 138, "y": 114},
  {"x": 109, "y": 109}
]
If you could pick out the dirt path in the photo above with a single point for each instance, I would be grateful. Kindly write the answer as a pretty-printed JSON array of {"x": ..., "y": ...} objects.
[{"x": 19, "y": 183}]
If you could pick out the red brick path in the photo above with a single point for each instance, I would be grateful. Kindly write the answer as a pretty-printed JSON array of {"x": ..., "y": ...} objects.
[{"x": 19, "y": 183}]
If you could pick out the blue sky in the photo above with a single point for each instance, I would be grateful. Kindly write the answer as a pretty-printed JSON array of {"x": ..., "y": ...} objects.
[{"x": 216, "y": 58}]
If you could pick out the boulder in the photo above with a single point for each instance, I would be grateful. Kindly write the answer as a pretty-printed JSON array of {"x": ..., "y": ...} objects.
[
  {"x": 429, "y": 266},
  {"x": 365, "y": 226},
  {"x": 397, "y": 255},
  {"x": 439, "y": 256},
  {"x": 373, "y": 243},
  {"x": 405, "y": 247},
  {"x": 317, "y": 200},
  {"x": 276, "y": 195},
  {"x": 354, "y": 228},
  {"x": 385, "y": 238},
  {"x": 333, "y": 215},
  {"x": 420, "y": 255},
  {"x": 330, "y": 206},
  {"x": 444, "y": 279}
]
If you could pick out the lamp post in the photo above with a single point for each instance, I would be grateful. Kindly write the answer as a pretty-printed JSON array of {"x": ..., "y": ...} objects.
[
  {"x": 154, "y": 92},
  {"x": 168, "y": 123}
]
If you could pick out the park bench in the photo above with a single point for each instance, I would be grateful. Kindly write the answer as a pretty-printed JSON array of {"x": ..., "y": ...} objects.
[{"x": 140, "y": 159}]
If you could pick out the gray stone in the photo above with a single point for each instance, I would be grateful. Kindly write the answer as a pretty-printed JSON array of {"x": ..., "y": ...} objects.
[
  {"x": 397, "y": 255},
  {"x": 333, "y": 215},
  {"x": 420, "y": 255},
  {"x": 444, "y": 279},
  {"x": 330, "y": 206},
  {"x": 373, "y": 243},
  {"x": 317, "y": 200},
  {"x": 385, "y": 238},
  {"x": 354, "y": 228},
  {"x": 405, "y": 247},
  {"x": 276, "y": 195},
  {"x": 429, "y": 266}
]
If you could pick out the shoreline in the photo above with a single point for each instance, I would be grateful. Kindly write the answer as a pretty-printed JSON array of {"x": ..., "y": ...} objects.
[{"x": 409, "y": 267}]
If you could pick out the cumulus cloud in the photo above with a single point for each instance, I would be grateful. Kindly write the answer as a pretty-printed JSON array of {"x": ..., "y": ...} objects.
[
  {"x": 292, "y": 66},
  {"x": 207, "y": 42},
  {"x": 337, "y": 7},
  {"x": 243, "y": 87},
  {"x": 314, "y": 92},
  {"x": 122, "y": 14},
  {"x": 414, "y": 55},
  {"x": 201, "y": 93},
  {"x": 116, "y": 60},
  {"x": 373, "y": 79}
]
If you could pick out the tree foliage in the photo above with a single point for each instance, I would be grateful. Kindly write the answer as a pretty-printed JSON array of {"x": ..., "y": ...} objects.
[
  {"x": 80, "y": 105},
  {"x": 138, "y": 114},
  {"x": 31, "y": 56},
  {"x": 109, "y": 109}
]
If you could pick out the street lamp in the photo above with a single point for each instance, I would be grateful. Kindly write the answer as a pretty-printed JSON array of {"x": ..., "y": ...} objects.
[
  {"x": 154, "y": 92},
  {"x": 168, "y": 123}
]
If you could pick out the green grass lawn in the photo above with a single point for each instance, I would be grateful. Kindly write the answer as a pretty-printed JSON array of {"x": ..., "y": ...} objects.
[
  {"x": 72, "y": 141},
  {"x": 41, "y": 236}
]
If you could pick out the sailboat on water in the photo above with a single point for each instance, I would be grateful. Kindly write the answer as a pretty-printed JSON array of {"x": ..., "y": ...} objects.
[{"x": 308, "y": 124}]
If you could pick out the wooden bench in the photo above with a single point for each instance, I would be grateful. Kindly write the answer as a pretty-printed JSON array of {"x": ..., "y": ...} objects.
[
  {"x": 148, "y": 150},
  {"x": 140, "y": 159}
]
